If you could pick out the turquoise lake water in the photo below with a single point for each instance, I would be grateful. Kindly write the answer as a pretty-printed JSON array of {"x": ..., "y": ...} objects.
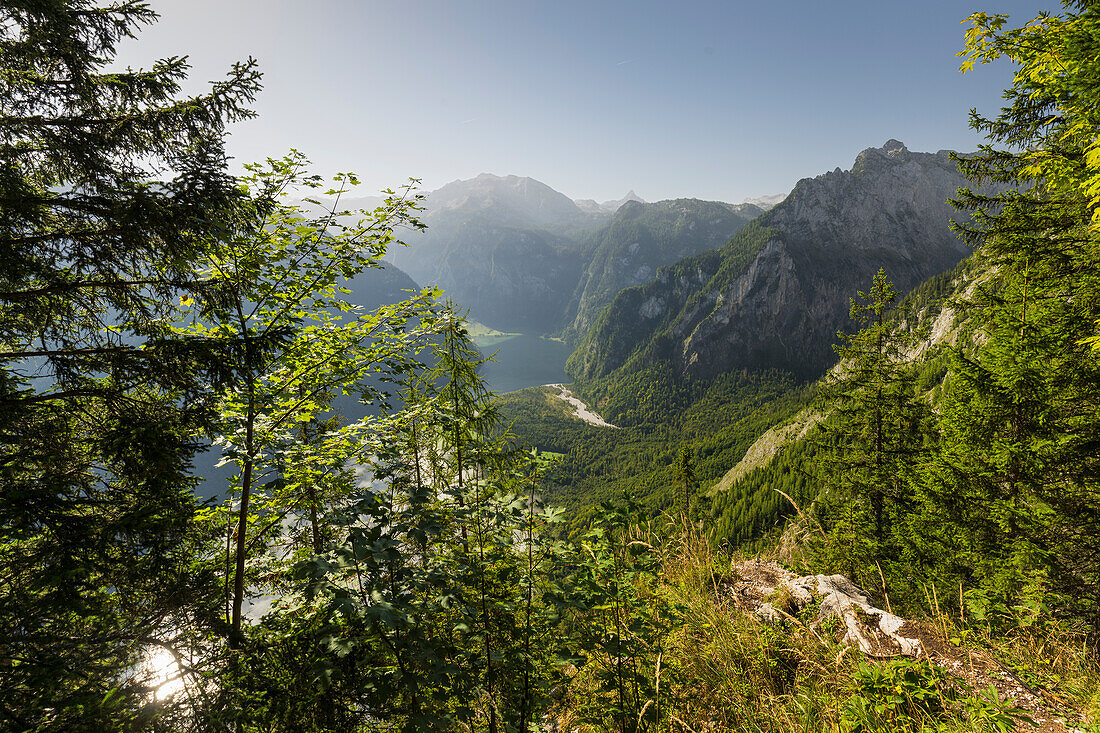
[{"x": 525, "y": 361}]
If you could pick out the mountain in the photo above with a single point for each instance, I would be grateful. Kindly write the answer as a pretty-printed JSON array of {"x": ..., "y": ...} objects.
[
  {"x": 508, "y": 248},
  {"x": 775, "y": 295},
  {"x": 378, "y": 286},
  {"x": 642, "y": 237},
  {"x": 514, "y": 200},
  {"x": 766, "y": 202},
  {"x": 524, "y": 257},
  {"x": 613, "y": 206}
]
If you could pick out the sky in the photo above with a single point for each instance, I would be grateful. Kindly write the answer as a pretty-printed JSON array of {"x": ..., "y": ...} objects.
[{"x": 721, "y": 100}]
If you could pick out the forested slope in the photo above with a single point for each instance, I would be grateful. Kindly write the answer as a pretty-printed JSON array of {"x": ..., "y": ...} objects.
[
  {"x": 775, "y": 295},
  {"x": 748, "y": 502},
  {"x": 400, "y": 572},
  {"x": 640, "y": 238}
]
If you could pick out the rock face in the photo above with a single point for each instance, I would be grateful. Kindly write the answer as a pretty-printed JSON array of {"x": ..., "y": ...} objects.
[
  {"x": 522, "y": 256},
  {"x": 642, "y": 237},
  {"x": 779, "y": 291},
  {"x": 775, "y": 594}
]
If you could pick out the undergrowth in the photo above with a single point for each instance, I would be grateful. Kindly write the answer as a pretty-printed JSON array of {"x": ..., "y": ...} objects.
[{"x": 709, "y": 667}]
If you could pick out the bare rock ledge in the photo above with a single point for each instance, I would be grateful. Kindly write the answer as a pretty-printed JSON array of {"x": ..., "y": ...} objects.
[{"x": 774, "y": 593}]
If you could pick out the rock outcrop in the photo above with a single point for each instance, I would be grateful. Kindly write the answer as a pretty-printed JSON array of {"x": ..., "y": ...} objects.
[
  {"x": 777, "y": 596},
  {"x": 774, "y": 593}
]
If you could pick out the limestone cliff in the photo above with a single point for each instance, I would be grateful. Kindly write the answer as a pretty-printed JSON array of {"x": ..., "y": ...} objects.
[
  {"x": 642, "y": 237},
  {"x": 778, "y": 292}
]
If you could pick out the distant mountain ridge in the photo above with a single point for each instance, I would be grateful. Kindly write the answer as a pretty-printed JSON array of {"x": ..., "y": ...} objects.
[
  {"x": 608, "y": 207},
  {"x": 515, "y": 200},
  {"x": 522, "y": 256},
  {"x": 775, "y": 295},
  {"x": 766, "y": 202},
  {"x": 642, "y": 237}
]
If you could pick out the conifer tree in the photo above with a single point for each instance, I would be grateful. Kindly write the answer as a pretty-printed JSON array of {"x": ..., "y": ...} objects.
[
  {"x": 873, "y": 435},
  {"x": 111, "y": 184},
  {"x": 1019, "y": 474},
  {"x": 685, "y": 477}
]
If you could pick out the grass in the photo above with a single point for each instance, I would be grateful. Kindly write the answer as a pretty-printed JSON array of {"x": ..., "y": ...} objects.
[
  {"x": 541, "y": 405},
  {"x": 716, "y": 668},
  {"x": 483, "y": 336}
]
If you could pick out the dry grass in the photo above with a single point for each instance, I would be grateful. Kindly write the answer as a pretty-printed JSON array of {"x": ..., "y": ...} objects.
[{"x": 720, "y": 669}]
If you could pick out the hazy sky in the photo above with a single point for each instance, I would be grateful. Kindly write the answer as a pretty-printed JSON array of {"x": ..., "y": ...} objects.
[{"x": 717, "y": 100}]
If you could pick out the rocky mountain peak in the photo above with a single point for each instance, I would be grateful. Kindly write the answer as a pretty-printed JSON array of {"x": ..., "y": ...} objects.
[
  {"x": 891, "y": 152},
  {"x": 515, "y": 198},
  {"x": 613, "y": 206},
  {"x": 894, "y": 148},
  {"x": 887, "y": 187},
  {"x": 776, "y": 295}
]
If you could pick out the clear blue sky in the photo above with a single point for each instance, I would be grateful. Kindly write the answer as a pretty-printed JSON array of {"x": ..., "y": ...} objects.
[{"x": 716, "y": 100}]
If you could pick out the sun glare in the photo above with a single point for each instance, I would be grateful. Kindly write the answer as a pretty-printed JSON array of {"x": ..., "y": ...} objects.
[{"x": 162, "y": 673}]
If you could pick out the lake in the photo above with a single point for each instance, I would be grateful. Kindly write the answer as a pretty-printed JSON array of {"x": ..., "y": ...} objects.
[{"x": 524, "y": 361}]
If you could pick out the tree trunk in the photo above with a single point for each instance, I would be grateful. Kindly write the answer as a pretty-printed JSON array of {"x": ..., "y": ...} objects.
[{"x": 242, "y": 545}]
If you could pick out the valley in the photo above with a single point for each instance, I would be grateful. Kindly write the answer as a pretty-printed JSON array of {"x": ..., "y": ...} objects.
[
  {"x": 485, "y": 456},
  {"x": 693, "y": 325}
]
